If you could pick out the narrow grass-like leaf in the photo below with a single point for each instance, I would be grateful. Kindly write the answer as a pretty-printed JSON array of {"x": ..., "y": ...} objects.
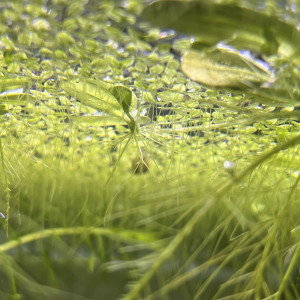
[
  {"x": 113, "y": 233},
  {"x": 13, "y": 83},
  {"x": 168, "y": 251},
  {"x": 16, "y": 97}
]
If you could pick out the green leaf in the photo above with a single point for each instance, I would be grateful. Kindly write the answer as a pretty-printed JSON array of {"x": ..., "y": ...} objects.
[
  {"x": 93, "y": 95},
  {"x": 125, "y": 97},
  {"x": 3, "y": 109},
  {"x": 223, "y": 68},
  {"x": 213, "y": 22}
]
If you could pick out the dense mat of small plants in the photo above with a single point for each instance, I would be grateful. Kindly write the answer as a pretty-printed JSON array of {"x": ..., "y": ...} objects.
[{"x": 77, "y": 221}]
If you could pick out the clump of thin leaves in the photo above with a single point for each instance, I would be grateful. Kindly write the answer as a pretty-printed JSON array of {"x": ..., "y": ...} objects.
[{"x": 123, "y": 178}]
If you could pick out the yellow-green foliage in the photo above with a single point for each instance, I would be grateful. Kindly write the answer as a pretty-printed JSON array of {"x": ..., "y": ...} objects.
[{"x": 88, "y": 91}]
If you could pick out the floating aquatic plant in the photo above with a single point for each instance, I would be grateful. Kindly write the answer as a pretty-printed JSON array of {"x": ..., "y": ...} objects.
[{"x": 119, "y": 171}]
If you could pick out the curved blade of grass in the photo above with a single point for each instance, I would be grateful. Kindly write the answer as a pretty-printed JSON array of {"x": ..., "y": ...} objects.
[
  {"x": 13, "y": 83},
  {"x": 6, "y": 190},
  {"x": 287, "y": 276},
  {"x": 114, "y": 233},
  {"x": 188, "y": 228},
  {"x": 255, "y": 117},
  {"x": 168, "y": 251},
  {"x": 16, "y": 97}
]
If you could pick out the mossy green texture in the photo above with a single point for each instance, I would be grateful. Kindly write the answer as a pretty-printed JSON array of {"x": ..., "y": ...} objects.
[{"x": 87, "y": 88}]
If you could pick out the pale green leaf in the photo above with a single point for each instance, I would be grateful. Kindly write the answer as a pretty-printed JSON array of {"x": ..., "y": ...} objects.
[
  {"x": 125, "y": 97},
  {"x": 221, "y": 68},
  {"x": 93, "y": 95}
]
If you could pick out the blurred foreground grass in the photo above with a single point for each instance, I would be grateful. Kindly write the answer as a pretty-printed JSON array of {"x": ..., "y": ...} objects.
[{"x": 80, "y": 225}]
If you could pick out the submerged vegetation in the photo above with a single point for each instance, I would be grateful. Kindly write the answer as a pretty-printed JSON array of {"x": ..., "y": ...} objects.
[{"x": 122, "y": 178}]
